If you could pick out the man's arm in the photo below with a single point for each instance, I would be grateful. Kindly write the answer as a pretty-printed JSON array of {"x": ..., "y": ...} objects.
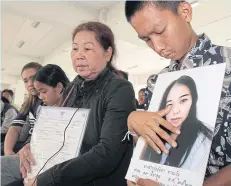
[{"x": 222, "y": 178}]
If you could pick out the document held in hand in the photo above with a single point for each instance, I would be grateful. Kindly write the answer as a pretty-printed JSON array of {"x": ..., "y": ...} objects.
[
  {"x": 193, "y": 96},
  {"x": 48, "y": 136}
]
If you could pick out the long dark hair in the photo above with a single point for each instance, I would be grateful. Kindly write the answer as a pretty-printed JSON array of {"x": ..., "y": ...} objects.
[
  {"x": 31, "y": 99},
  {"x": 51, "y": 75},
  {"x": 190, "y": 128}
]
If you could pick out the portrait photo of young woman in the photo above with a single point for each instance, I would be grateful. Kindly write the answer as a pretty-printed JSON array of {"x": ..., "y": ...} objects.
[{"x": 195, "y": 138}]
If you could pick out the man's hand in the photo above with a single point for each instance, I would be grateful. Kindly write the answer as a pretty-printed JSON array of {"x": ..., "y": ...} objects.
[
  {"x": 147, "y": 125},
  {"x": 26, "y": 160},
  {"x": 143, "y": 182}
]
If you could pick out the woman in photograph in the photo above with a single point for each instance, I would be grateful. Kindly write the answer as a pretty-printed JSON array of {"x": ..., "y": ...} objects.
[{"x": 195, "y": 138}]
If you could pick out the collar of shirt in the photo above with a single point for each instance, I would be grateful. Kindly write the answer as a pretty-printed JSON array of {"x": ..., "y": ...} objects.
[{"x": 194, "y": 57}]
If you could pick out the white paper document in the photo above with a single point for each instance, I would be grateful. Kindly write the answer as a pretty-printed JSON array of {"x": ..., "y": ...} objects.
[
  {"x": 194, "y": 97},
  {"x": 48, "y": 136}
]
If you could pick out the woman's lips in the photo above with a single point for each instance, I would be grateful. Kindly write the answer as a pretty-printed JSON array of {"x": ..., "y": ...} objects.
[{"x": 175, "y": 120}]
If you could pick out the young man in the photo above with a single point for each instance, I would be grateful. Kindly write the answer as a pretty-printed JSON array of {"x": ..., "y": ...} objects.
[{"x": 165, "y": 27}]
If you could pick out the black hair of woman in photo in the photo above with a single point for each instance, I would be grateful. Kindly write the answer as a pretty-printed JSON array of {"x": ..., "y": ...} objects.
[{"x": 182, "y": 96}]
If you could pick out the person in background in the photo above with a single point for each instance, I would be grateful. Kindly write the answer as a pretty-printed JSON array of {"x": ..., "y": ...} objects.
[
  {"x": 9, "y": 94},
  {"x": 29, "y": 109},
  {"x": 104, "y": 158},
  {"x": 49, "y": 82},
  {"x": 8, "y": 114},
  {"x": 165, "y": 27},
  {"x": 141, "y": 98}
]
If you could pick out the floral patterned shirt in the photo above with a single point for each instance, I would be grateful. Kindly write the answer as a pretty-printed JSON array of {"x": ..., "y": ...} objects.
[{"x": 202, "y": 54}]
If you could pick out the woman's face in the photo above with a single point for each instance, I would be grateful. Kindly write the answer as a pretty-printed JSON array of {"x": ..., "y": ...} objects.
[
  {"x": 141, "y": 97},
  {"x": 180, "y": 99},
  {"x": 49, "y": 95},
  {"x": 27, "y": 77},
  {"x": 88, "y": 56}
]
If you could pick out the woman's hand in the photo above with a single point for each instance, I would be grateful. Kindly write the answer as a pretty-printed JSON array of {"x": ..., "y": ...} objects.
[
  {"x": 31, "y": 182},
  {"x": 9, "y": 153},
  {"x": 147, "y": 125},
  {"x": 143, "y": 182},
  {"x": 26, "y": 160}
]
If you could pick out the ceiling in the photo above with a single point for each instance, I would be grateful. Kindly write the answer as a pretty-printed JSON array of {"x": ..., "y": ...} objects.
[{"x": 41, "y": 31}]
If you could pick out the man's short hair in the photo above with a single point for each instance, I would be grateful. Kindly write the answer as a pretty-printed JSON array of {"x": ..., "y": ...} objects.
[
  {"x": 9, "y": 92},
  {"x": 131, "y": 7}
]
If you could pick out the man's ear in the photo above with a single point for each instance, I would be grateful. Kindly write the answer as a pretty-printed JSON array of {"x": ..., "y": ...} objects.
[{"x": 185, "y": 11}]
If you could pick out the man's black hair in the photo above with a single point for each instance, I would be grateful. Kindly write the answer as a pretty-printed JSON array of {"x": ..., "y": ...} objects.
[{"x": 131, "y": 7}]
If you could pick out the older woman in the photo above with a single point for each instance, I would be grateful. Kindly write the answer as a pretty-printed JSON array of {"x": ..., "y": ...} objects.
[{"x": 104, "y": 159}]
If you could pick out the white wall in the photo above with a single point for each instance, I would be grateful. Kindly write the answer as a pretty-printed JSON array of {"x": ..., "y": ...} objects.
[{"x": 19, "y": 92}]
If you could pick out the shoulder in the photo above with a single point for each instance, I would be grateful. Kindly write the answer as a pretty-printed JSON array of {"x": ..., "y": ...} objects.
[
  {"x": 225, "y": 51},
  {"x": 119, "y": 93},
  {"x": 34, "y": 107},
  {"x": 118, "y": 85},
  {"x": 12, "y": 112}
]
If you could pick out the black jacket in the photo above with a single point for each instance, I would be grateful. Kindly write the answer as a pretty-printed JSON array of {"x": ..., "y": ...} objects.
[{"x": 104, "y": 159}]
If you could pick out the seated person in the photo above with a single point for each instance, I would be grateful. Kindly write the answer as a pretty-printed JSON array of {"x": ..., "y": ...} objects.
[
  {"x": 49, "y": 82},
  {"x": 103, "y": 158},
  {"x": 165, "y": 27},
  {"x": 9, "y": 94},
  {"x": 29, "y": 109},
  {"x": 140, "y": 102},
  {"x": 8, "y": 114}
]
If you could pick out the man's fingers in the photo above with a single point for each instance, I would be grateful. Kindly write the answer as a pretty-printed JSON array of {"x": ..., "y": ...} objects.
[
  {"x": 166, "y": 124},
  {"x": 163, "y": 135},
  {"x": 164, "y": 111},
  {"x": 154, "y": 141},
  {"x": 152, "y": 144},
  {"x": 146, "y": 182}
]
